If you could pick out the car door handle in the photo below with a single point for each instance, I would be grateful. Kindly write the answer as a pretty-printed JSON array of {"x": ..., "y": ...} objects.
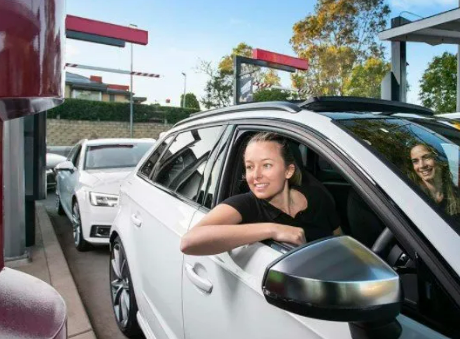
[
  {"x": 203, "y": 284},
  {"x": 136, "y": 221}
]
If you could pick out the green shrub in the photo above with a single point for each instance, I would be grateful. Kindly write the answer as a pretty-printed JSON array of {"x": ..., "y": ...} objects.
[{"x": 77, "y": 109}]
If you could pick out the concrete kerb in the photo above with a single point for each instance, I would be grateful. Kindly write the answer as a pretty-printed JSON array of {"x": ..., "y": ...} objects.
[{"x": 78, "y": 324}]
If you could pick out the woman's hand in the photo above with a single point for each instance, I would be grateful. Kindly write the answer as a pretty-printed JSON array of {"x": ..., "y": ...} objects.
[{"x": 289, "y": 234}]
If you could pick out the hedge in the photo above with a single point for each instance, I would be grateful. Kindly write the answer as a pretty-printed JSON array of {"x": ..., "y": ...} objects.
[{"x": 77, "y": 109}]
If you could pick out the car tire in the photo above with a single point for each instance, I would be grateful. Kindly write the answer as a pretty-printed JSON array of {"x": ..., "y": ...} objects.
[
  {"x": 80, "y": 243},
  {"x": 59, "y": 208},
  {"x": 124, "y": 303}
]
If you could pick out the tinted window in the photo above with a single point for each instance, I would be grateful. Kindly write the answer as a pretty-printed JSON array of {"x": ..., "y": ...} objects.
[
  {"x": 115, "y": 155},
  {"x": 147, "y": 167},
  {"x": 181, "y": 167},
  {"x": 426, "y": 159}
]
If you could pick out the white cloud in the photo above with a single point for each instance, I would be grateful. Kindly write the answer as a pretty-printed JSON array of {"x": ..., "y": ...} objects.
[{"x": 414, "y": 4}]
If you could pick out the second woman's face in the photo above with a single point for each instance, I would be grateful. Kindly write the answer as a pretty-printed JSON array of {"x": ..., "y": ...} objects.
[
  {"x": 266, "y": 172},
  {"x": 423, "y": 162}
]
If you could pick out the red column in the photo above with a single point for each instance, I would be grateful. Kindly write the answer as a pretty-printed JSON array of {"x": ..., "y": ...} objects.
[{"x": 1, "y": 196}]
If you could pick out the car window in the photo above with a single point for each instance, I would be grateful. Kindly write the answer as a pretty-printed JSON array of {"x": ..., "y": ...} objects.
[
  {"x": 115, "y": 155},
  {"x": 182, "y": 166},
  {"x": 73, "y": 152},
  {"x": 77, "y": 158},
  {"x": 147, "y": 168},
  {"x": 428, "y": 161}
]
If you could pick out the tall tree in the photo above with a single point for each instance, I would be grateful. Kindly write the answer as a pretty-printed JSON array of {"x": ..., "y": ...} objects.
[
  {"x": 226, "y": 63},
  {"x": 190, "y": 101},
  {"x": 438, "y": 86},
  {"x": 340, "y": 35},
  {"x": 218, "y": 89},
  {"x": 365, "y": 79}
]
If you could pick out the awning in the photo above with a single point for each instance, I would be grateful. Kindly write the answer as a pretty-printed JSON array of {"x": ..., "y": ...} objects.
[{"x": 443, "y": 28}]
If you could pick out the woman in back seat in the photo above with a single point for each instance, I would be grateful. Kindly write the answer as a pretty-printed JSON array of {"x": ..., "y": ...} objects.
[{"x": 277, "y": 206}]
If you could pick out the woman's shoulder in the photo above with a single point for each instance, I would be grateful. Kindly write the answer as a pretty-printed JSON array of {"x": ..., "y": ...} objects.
[{"x": 240, "y": 198}]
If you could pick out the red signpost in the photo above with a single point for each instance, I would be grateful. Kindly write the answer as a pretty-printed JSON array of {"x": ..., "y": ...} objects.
[{"x": 280, "y": 59}]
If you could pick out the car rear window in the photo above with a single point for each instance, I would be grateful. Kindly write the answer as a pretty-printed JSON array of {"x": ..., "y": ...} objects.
[
  {"x": 115, "y": 156},
  {"x": 426, "y": 159}
]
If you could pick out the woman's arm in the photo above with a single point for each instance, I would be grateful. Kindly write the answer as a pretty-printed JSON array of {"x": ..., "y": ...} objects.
[{"x": 220, "y": 231}]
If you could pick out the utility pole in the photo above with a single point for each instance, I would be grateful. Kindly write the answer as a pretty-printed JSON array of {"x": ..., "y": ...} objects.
[
  {"x": 185, "y": 88},
  {"x": 131, "y": 106}
]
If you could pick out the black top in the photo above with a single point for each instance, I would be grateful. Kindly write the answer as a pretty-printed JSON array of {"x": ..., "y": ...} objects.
[{"x": 318, "y": 220}]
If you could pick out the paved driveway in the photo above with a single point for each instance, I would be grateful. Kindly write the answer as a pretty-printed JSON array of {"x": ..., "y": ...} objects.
[{"x": 90, "y": 271}]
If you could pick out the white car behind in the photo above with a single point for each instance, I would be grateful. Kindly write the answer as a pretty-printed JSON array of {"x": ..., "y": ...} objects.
[{"x": 87, "y": 185}]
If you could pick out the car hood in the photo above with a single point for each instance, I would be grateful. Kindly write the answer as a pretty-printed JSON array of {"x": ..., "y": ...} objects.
[{"x": 106, "y": 180}]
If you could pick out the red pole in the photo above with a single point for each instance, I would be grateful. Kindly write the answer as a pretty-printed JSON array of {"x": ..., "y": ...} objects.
[{"x": 1, "y": 196}]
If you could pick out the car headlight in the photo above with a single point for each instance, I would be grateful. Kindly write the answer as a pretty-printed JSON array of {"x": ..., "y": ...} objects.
[{"x": 102, "y": 199}]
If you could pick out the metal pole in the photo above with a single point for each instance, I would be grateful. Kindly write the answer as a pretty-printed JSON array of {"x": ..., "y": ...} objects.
[
  {"x": 185, "y": 89},
  {"x": 14, "y": 199},
  {"x": 131, "y": 108},
  {"x": 458, "y": 73}
]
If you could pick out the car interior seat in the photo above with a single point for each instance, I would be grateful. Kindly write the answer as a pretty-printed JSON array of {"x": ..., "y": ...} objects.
[{"x": 365, "y": 225}]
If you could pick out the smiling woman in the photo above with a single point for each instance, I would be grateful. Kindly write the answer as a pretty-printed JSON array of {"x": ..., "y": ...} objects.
[
  {"x": 434, "y": 178},
  {"x": 277, "y": 206}
]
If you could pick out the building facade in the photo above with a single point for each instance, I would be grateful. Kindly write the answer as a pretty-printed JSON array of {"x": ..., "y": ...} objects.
[{"x": 92, "y": 88}]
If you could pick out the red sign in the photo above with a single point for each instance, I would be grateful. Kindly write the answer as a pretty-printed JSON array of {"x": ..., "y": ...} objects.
[
  {"x": 280, "y": 59},
  {"x": 134, "y": 35}
]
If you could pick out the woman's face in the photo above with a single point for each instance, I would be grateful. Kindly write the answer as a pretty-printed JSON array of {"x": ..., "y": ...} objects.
[
  {"x": 266, "y": 172},
  {"x": 424, "y": 163}
]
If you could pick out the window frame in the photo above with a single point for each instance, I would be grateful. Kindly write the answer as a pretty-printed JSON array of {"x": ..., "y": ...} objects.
[
  {"x": 157, "y": 145},
  {"x": 407, "y": 234}
]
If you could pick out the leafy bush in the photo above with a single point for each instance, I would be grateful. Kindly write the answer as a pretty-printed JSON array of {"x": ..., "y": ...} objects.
[
  {"x": 272, "y": 94},
  {"x": 77, "y": 109}
]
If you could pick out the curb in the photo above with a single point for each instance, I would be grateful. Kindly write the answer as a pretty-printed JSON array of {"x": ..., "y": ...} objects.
[{"x": 78, "y": 324}]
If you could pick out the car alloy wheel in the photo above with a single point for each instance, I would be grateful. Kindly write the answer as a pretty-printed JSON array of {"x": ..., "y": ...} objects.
[
  {"x": 123, "y": 299},
  {"x": 80, "y": 243}
]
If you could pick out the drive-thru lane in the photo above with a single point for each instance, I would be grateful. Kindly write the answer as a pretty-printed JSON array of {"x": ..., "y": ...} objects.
[{"x": 90, "y": 271}]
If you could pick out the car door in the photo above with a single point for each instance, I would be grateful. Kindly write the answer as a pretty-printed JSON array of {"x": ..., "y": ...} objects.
[
  {"x": 162, "y": 207},
  {"x": 222, "y": 293},
  {"x": 67, "y": 180},
  {"x": 226, "y": 297}
]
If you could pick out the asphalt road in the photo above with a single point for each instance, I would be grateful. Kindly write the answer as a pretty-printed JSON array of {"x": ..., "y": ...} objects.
[{"x": 90, "y": 270}]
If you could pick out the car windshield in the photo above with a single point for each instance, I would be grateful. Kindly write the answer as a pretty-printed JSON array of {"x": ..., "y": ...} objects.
[
  {"x": 427, "y": 159},
  {"x": 115, "y": 155}
]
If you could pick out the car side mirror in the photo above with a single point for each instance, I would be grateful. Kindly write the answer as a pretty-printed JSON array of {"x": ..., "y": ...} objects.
[
  {"x": 337, "y": 279},
  {"x": 65, "y": 166}
]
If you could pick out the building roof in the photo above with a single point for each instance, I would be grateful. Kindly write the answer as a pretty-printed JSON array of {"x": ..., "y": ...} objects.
[
  {"x": 81, "y": 82},
  {"x": 442, "y": 28}
]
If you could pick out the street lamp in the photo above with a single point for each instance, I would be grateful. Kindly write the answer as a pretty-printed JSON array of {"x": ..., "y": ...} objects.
[
  {"x": 185, "y": 88},
  {"x": 131, "y": 106}
]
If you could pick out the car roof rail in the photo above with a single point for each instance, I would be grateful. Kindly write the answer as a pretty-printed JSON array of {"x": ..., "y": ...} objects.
[
  {"x": 360, "y": 104},
  {"x": 286, "y": 106}
]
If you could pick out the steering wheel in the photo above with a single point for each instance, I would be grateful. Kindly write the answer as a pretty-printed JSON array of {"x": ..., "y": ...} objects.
[{"x": 383, "y": 242}]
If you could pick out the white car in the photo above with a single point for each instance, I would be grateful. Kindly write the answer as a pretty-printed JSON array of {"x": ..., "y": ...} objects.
[
  {"x": 400, "y": 278},
  {"x": 88, "y": 183},
  {"x": 52, "y": 160}
]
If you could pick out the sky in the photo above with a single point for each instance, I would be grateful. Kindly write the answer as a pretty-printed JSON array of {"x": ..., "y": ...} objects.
[{"x": 184, "y": 32}]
